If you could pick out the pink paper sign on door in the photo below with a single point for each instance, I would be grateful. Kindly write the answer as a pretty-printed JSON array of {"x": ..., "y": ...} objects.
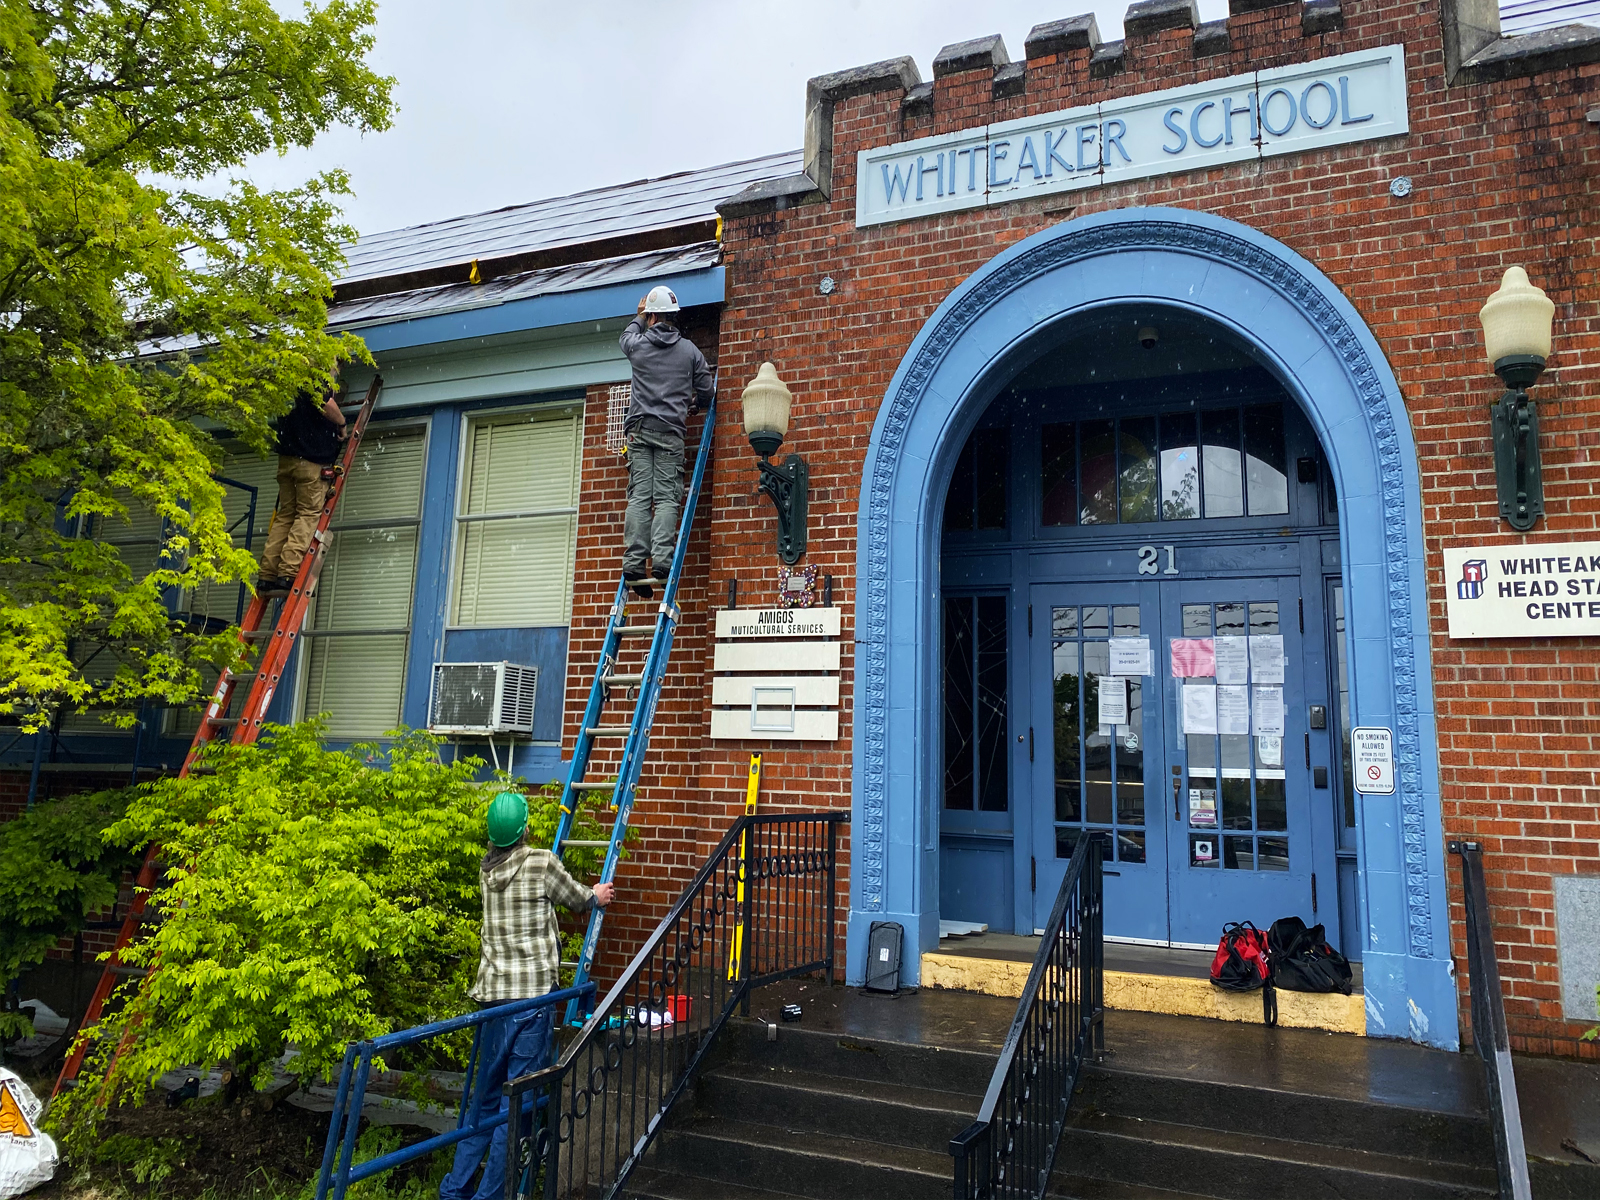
[{"x": 1193, "y": 658}]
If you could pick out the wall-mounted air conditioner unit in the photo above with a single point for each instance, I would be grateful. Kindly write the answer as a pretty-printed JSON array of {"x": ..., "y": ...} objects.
[{"x": 482, "y": 698}]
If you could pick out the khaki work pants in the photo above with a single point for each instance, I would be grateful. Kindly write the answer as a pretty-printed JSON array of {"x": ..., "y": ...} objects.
[
  {"x": 655, "y": 481},
  {"x": 301, "y": 493}
]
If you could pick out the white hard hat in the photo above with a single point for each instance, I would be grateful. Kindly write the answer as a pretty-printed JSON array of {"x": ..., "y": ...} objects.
[{"x": 661, "y": 300}]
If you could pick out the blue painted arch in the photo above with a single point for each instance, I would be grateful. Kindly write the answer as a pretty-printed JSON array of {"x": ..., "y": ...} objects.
[{"x": 1299, "y": 325}]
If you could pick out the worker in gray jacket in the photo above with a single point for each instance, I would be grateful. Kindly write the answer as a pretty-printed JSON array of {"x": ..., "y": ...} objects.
[{"x": 670, "y": 377}]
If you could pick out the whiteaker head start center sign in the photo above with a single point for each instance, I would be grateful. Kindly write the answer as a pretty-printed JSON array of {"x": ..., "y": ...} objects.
[
  {"x": 1286, "y": 110},
  {"x": 1550, "y": 589}
]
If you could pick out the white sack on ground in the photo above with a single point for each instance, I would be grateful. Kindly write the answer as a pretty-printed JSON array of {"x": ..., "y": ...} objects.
[{"x": 27, "y": 1154}]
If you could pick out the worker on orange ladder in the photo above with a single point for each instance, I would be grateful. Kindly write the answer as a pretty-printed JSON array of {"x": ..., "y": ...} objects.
[
  {"x": 309, "y": 439},
  {"x": 520, "y": 960},
  {"x": 670, "y": 380}
]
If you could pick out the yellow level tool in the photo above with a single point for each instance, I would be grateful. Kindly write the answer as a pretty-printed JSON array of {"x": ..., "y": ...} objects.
[{"x": 751, "y": 791}]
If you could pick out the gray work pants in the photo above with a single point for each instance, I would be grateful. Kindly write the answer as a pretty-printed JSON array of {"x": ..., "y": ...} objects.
[{"x": 655, "y": 480}]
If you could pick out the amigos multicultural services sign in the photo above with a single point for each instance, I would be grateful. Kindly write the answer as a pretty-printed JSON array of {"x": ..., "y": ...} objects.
[{"x": 1330, "y": 102}]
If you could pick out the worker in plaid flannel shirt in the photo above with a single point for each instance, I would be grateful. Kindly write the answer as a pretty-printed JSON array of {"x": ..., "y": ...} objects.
[{"x": 520, "y": 960}]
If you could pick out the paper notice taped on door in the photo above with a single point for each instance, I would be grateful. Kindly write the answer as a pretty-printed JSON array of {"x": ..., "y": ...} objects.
[
  {"x": 1266, "y": 657},
  {"x": 1203, "y": 808},
  {"x": 1233, "y": 710},
  {"x": 1113, "y": 700},
  {"x": 1268, "y": 712},
  {"x": 1200, "y": 708},
  {"x": 1193, "y": 658},
  {"x": 1233, "y": 660},
  {"x": 1131, "y": 656}
]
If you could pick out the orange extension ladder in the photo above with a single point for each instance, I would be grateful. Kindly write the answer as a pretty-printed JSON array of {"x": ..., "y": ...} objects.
[{"x": 269, "y": 649}]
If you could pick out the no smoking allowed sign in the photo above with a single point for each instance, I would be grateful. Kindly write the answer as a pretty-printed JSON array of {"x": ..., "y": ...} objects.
[{"x": 1372, "y": 760}]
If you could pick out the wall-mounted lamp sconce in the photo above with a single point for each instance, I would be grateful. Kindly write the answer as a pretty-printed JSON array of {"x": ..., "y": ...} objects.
[
  {"x": 766, "y": 403},
  {"x": 1516, "y": 328}
]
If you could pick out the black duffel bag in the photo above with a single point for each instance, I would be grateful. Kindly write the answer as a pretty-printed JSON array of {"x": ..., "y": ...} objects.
[{"x": 1302, "y": 960}]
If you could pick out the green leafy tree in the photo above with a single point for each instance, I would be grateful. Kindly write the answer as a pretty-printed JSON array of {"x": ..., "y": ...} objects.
[
  {"x": 316, "y": 897},
  {"x": 147, "y": 296},
  {"x": 55, "y": 871}
]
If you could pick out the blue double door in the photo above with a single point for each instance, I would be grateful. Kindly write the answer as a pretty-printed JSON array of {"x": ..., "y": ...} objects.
[{"x": 1181, "y": 721}]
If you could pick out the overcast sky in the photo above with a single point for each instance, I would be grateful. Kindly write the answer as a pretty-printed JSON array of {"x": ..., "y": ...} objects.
[{"x": 502, "y": 102}]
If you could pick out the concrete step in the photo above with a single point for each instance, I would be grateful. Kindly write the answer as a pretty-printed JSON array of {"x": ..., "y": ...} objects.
[
  {"x": 817, "y": 1166},
  {"x": 852, "y": 1056},
  {"x": 1275, "y": 1112},
  {"x": 892, "y": 1114},
  {"x": 1233, "y": 1166},
  {"x": 649, "y": 1183}
]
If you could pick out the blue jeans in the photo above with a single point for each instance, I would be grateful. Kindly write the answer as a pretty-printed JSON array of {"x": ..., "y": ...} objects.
[{"x": 511, "y": 1046}]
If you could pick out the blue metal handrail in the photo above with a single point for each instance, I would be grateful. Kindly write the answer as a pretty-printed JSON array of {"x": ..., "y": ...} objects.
[{"x": 344, "y": 1122}]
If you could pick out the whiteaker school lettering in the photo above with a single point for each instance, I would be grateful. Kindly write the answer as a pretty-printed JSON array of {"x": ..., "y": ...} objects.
[
  {"x": 1333, "y": 101},
  {"x": 1531, "y": 590}
]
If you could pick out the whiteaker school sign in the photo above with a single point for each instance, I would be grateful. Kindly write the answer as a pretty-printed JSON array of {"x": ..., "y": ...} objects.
[
  {"x": 1548, "y": 589},
  {"x": 1347, "y": 98}
]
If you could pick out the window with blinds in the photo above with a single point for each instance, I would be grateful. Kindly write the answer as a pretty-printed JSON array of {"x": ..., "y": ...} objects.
[
  {"x": 355, "y": 642},
  {"x": 517, "y": 521}
]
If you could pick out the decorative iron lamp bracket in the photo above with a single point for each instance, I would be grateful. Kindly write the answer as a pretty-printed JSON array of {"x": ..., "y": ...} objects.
[
  {"x": 789, "y": 486},
  {"x": 1515, "y": 421}
]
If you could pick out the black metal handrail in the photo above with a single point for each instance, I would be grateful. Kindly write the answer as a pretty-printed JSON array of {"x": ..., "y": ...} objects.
[
  {"x": 1010, "y": 1150},
  {"x": 1489, "y": 1032},
  {"x": 761, "y": 908}
]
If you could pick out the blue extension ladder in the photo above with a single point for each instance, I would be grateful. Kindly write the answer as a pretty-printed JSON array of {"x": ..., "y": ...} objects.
[{"x": 645, "y": 685}]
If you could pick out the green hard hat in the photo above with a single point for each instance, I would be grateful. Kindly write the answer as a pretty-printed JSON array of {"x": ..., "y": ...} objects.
[{"x": 508, "y": 817}]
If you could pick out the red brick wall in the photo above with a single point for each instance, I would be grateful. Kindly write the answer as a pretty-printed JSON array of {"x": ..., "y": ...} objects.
[{"x": 1503, "y": 176}]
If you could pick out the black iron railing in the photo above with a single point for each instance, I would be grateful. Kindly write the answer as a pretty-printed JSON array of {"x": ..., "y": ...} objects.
[
  {"x": 1010, "y": 1149},
  {"x": 1489, "y": 1033},
  {"x": 762, "y": 908}
]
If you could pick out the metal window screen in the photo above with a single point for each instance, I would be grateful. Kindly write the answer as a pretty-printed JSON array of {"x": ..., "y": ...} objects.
[{"x": 616, "y": 414}]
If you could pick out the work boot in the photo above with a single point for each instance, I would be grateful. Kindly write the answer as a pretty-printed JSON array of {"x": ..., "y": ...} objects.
[
  {"x": 635, "y": 580},
  {"x": 270, "y": 585}
]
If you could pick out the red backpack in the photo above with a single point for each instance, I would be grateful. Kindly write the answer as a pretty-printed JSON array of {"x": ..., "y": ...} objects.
[{"x": 1242, "y": 964}]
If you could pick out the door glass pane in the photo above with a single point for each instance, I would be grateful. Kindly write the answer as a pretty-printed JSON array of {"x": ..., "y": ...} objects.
[
  {"x": 1237, "y": 783},
  {"x": 1264, "y": 617},
  {"x": 1348, "y": 836},
  {"x": 1130, "y": 760},
  {"x": 1180, "y": 467},
  {"x": 993, "y": 791},
  {"x": 1097, "y": 739},
  {"x": 1099, "y": 475},
  {"x": 1230, "y": 620},
  {"x": 1265, "y": 478},
  {"x": 1136, "y": 457},
  {"x": 1099, "y": 768},
  {"x": 991, "y": 464},
  {"x": 959, "y": 688},
  {"x": 1273, "y": 853},
  {"x": 1058, "y": 449},
  {"x": 1066, "y": 725},
  {"x": 1219, "y": 435}
]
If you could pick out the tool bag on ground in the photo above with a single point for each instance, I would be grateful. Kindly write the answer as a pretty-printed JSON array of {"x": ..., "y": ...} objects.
[
  {"x": 1302, "y": 960},
  {"x": 1241, "y": 961},
  {"x": 1243, "y": 964}
]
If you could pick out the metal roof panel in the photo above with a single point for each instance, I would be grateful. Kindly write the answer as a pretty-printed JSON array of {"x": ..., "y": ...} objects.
[{"x": 628, "y": 208}]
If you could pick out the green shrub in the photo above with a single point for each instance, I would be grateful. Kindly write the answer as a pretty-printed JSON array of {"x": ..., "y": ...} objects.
[
  {"x": 55, "y": 871},
  {"x": 317, "y": 897}
]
